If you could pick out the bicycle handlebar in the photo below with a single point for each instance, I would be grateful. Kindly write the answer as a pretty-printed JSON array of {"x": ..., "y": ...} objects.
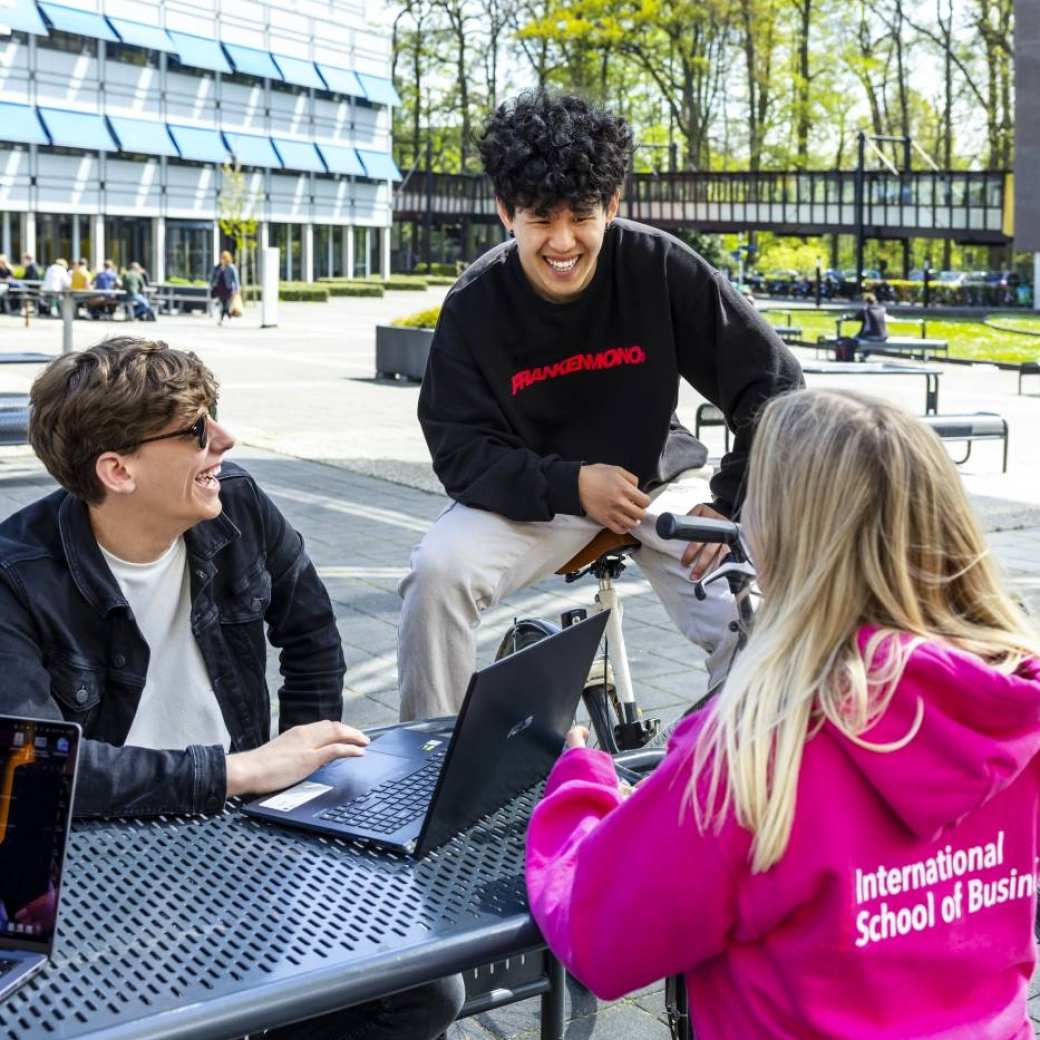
[{"x": 698, "y": 529}]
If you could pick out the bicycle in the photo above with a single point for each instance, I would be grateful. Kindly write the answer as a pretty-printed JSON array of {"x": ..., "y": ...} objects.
[{"x": 609, "y": 698}]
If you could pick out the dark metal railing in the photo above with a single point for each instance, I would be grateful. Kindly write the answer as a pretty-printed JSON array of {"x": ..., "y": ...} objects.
[{"x": 940, "y": 204}]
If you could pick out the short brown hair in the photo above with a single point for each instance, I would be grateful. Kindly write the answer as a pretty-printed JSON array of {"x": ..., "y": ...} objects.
[{"x": 107, "y": 397}]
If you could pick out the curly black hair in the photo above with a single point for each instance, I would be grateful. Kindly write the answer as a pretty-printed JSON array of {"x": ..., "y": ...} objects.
[{"x": 541, "y": 149}]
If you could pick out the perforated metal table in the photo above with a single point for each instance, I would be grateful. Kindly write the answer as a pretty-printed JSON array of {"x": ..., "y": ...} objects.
[{"x": 221, "y": 925}]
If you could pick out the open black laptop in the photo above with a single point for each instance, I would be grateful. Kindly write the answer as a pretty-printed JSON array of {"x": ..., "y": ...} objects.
[
  {"x": 37, "y": 784},
  {"x": 413, "y": 791}
]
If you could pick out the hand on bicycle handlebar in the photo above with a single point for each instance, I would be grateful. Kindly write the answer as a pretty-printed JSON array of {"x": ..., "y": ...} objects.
[
  {"x": 577, "y": 736},
  {"x": 702, "y": 557},
  {"x": 610, "y": 495}
]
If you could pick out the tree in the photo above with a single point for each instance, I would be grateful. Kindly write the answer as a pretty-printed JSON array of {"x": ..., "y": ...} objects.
[{"x": 236, "y": 206}]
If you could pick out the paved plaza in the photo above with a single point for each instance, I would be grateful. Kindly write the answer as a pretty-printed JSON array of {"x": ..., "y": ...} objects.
[{"x": 341, "y": 454}]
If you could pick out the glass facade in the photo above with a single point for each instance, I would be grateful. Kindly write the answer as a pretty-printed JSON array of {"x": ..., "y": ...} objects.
[
  {"x": 328, "y": 251},
  {"x": 189, "y": 249},
  {"x": 128, "y": 239},
  {"x": 288, "y": 240},
  {"x": 61, "y": 235}
]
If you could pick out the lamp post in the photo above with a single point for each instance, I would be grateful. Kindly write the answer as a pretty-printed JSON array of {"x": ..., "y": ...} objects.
[{"x": 818, "y": 286}]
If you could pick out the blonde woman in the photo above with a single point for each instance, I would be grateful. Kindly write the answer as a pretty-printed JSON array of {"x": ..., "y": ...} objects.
[{"x": 844, "y": 843}]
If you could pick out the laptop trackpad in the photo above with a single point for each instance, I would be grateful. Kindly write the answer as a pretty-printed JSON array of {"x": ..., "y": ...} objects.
[{"x": 354, "y": 777}]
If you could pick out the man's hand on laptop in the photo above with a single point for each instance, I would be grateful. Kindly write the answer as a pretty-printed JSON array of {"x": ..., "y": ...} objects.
[
  {"x": 610, "y": 495},
  {"x": 291, "y": 756}
]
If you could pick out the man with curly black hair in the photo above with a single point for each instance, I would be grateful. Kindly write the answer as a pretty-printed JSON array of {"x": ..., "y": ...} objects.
[{"x": 549, "y": 397}]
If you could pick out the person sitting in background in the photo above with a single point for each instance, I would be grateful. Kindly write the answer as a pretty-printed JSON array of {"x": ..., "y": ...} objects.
[
  {"x": 872, "y": 318},
  {"x": 115, "y": 595},
  {"x": 107, "y": 280},
  {"x": 134, "y": 282},
  {"x": 31, "y": 269},
  {"x": 7, "y": 285},
  {"x": 56, "y": 280},
  {"x": 844, "y": 842},
  {"x": 81, "y": 276}
]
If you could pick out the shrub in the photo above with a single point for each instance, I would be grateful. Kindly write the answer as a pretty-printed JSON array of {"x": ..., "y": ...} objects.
[
  {"x": 426, "y": 319},
  {"x": 400, "y": 282},
  {"x": 303, "y": 291},
  {"x": 354, "y": 289},
  {"x": 436, "y": 279},
  {"x": 449, "y": 270}
]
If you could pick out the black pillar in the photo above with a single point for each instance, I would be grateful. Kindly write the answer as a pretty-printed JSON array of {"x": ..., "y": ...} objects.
[{"x": 860, "y": 205}]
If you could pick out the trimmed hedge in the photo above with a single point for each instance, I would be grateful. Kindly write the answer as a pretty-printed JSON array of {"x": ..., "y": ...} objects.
[
  {"x": 436, "y": 279},
  {"x": 426, "y": 319},
  {"x": 354, "y": 289},
  {"x": 451, "y": 270},
  {"x": 303, "y": 292}
]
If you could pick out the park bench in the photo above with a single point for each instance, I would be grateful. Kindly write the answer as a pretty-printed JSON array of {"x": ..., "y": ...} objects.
[
  {"x": 708, "y": 415},
  {"x": 975, "y": 426},
  {"x": 180, "y": 299},
  {"x": 1027, "y": 368},
  {"x": 788, "y": 331},
  {"x": 901, "y": 345}
]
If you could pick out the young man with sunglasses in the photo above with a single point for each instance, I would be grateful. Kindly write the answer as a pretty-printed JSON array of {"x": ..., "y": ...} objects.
[{"x": 133, "y": 601}]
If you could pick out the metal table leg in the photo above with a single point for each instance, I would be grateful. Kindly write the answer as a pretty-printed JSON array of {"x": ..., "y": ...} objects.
[
  {"x": 931, "y": 394},
  {"x": 68, "y": 312},
  {"x": 552, "y": 1001}
]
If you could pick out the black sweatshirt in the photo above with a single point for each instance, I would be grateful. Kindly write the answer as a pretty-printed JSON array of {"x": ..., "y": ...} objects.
[{"x": 520, "y": 392}]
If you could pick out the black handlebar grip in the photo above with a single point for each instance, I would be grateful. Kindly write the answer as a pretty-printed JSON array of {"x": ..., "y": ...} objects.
[{"x": 698, "y": 529}]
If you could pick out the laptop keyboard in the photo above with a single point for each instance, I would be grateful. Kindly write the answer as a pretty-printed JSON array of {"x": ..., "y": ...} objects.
[{"x": 393, "y": 804}]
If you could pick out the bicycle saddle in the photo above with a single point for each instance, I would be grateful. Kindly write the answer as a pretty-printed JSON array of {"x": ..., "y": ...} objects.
[{"x": 604, "y": 542}]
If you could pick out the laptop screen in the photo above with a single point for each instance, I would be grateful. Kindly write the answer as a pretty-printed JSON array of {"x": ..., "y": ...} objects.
[{"x": 37, "y": 781}]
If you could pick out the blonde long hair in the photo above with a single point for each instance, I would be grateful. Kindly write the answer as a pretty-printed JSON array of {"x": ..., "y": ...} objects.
[{"x": 854, "y": 515}]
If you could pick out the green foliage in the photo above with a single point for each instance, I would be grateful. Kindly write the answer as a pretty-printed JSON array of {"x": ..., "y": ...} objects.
[
  {"x": 447, "y": 270},
  {"x": 354, "y": 289},
  {"x": 401, "y": 282},
  {"x": 303, "y": 291},
  {"x": 196, "y": 283},
  {"x": 420, "y": 320}
]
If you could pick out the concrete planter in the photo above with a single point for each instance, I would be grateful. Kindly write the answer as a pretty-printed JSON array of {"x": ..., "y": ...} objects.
[{"x": 402, "y": 352}]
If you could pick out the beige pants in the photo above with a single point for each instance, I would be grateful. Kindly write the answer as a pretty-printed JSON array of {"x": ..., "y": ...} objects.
[{"x": 471, "y": 560}]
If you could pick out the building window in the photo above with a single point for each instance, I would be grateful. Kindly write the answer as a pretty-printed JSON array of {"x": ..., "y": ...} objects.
[
  {"x": 128, "y": 55},
  {"x": 128, "y": 239},
  {"x": 70, "y": 43},
  {"x": 288, "y": 240},
  {"x": 189, "y": 250},
  {"x": 64, "y": 236},
  {"x": 328, "y": 251}
]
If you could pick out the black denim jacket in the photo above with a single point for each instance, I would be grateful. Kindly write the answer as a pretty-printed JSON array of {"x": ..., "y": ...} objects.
[{"x": 70, "y": 647}]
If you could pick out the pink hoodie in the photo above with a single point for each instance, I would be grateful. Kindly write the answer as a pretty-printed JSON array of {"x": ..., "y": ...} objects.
[{"x": 902, "y": 908}]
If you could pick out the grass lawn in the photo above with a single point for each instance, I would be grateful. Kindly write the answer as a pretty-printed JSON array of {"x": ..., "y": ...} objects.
[{"x": 968, "y": 338}]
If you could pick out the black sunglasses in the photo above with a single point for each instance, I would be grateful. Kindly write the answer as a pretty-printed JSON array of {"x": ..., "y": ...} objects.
[{"x": 199, "y": 429}]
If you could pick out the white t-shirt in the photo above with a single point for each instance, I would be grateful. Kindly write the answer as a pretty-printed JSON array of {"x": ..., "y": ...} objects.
[{"x": 178, "y": 706}]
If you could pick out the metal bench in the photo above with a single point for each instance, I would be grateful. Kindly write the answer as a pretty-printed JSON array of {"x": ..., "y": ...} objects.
[
  {"x": 910, "y": 345},
  {"x": 976, "y": 426},
  {"x": 708, "y": 415},
  {"x": 788, "y": 333},
  {"x": 14, "y": 418},
  {"x": 1027, "y": 368}
]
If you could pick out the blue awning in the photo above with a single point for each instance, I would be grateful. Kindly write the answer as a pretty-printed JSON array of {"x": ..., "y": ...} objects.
[
  {"x": 252, "y": 62},
  {"x": 23, "y": 17},
  {"x": 342, "y": 81},
  {"x": 139, "y": 135},
  {"x": 378, "y": 90},
  {"x": 77, "y": 130},
  {"x": 19, "y": 123},
  {"x": 380, "y": 166},
  {"x": 75, "y": 20},
  {"x": 137, "y": 34},
  {"x": 296, "y": 70},
  {"x": 340, "y": 159},
  {"x": 251, "y": 150},
  {"x": 199, "y": 143},
  {"x": 299, "y": 155},
  {"x": 199, "y": 52}
]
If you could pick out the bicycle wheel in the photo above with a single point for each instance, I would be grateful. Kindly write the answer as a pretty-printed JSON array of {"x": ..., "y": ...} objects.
[{"x": 599, "y": 711}]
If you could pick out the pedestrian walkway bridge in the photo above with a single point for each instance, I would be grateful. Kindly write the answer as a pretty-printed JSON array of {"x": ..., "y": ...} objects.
[{"x": 971, "y": 207}]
